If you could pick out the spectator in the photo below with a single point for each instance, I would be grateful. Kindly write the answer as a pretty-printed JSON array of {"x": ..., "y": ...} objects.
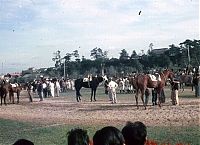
[
  {"x": 108, "y": 136},
  {"x": 174, "y": 93},
  {"x": 57, "y": 88},
  {"x": 78, "y": 137},
  {"x": 112, "y": 88},
  {"x": 40, "y": 91},
  {"x": 106, "y": 87},
  {"x": 29, "y": 88},
  {"x": 196, "y": 82},
  {"x": 23, "y": 142},
  {"x": 154, "y": 97},
  {"x": 134, "y": 133},
  {"x": 52, "y": 88}
]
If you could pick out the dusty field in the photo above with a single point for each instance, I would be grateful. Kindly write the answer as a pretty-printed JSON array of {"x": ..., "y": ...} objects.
[{"x": 65, "y": 110}]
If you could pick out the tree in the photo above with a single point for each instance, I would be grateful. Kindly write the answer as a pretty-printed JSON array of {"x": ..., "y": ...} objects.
[
  {"x": 97, "y": 53},
  {"x": 76, "y": 55},
  {"x": 99, "y": 56},
  {"x": 193, "y": 51},
  {"x": 57, "y": 58},
  {"x": 124, "y": 55},
  {"x": 134, "y": 55}
]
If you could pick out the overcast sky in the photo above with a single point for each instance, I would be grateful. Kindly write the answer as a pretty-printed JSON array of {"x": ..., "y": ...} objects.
[{"x": 31, "y": 30}]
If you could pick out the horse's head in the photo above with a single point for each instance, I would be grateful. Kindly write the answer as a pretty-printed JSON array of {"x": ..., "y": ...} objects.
[
  {"x": 169, "y": 74},
  {"x": 105, "y": 78}
]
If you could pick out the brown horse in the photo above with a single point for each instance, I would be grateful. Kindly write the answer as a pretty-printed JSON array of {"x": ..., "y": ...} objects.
[
  {"x": 4, "y": 91},
  {"x": 142, "y": 81},
  {"x": 14, "y": 88},
  {"x": 185, "y": 79}
]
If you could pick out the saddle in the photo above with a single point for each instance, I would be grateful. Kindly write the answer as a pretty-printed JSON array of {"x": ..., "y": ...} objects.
[
  {"x": 85, "y": 79},
  {"x": 155, "y": 77},
  {"x": 14, "y": 85}
]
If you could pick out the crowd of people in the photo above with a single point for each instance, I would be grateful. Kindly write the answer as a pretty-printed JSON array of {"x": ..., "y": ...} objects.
[
  {"x": 45, "y": 87},
  {"x": 133, "y": 133}
]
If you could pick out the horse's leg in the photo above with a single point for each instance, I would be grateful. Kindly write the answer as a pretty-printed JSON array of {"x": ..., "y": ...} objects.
[
  {"x": 159, "y": 99},
  {"x": 5, "y": 99},
  {"x": 18, "y": 93},
  {"x": 10, "y": 97},
  {"x": 92, "y": 91},
  {"x": 1, "y": 100},
  {"x": 77, "y": 95},
  {"x": 192, "y": 87},
  {"x": 13, "y": 98},
  {"x": 95, "y": 95},
  {"x": 136, "y": 98},
  {"x": 142, "y": 97}
]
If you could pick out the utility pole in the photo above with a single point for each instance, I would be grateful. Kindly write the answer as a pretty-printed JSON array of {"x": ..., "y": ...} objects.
[
  {"x": 188, "y": 49},
  {"x": 64, "y": 70},
  {"x": 2, "y": 68}
]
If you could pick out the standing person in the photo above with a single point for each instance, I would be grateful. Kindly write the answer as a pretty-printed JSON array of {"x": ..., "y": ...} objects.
[
  {"x": 29, "y": 89},
  {"x": 57, "y": 88},
  {"x": 52, "y": 87},
  {"x": 112, "y": 87},
  {"x": 44, "y": 86},
  {"x": 135, "y": 133},
  {"x": 40, "y": 91},
  {"x": 196, "y": 82},
  {"x": 174, "y": 93},
  {"x": 154, "y": 96}
]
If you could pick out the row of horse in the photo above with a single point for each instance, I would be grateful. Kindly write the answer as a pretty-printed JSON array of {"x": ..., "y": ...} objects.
[
  {"x": 8, "y": 88},
  {"x": 140, "y": 83}
]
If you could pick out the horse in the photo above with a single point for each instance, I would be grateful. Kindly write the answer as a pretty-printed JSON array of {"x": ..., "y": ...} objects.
[
  {"x": 184, "y": 80},
  {"x": 14, "y": 88},
  {"x": 143, "y": 81},
  {"x": 4, "y": 87},
  {"x": 93, "y": 84}
]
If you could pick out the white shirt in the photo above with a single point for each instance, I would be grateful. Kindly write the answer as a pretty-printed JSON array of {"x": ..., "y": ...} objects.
[{"x": 112, "y": 84}]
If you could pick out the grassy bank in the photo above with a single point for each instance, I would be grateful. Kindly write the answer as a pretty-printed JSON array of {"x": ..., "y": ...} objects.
[{"x": 10, "y": 131}]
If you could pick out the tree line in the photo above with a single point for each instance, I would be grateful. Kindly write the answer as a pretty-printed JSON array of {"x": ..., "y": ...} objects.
[{"x": 185, "y": 54}]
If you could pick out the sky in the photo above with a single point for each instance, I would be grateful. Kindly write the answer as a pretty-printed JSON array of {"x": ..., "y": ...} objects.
[{"x": 32, "y": 30}]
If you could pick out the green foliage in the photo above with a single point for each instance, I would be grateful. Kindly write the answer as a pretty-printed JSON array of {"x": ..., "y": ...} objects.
[{"x": 177, "y": 56}]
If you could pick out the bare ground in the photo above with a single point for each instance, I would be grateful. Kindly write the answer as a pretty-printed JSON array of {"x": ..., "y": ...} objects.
[{"x": 65, "y": 110}]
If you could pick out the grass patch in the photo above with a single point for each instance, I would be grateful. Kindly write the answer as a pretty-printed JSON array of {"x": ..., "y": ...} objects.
[{"x": 10, "y": 131}]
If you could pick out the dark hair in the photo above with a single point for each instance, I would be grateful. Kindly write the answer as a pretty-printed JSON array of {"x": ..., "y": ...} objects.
[
  {"x": 134, "y": 133},
  {"x": 78, "y": 136},
  {"x": 23, "y": 142},
  {"x": 108, "y": 136}
]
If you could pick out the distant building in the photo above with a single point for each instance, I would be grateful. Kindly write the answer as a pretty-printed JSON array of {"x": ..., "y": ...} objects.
[
  {"x": 15, "y": 74},
  {"x": 28, "y": 71},
  {"x": 159, "y": 51}
]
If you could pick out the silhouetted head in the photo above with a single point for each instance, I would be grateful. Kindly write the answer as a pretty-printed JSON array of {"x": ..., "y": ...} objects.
[
  {"x": 134, "y": 133},
  {"x": 78, "y": 137},
  {"x": 108, "y": 136},
  {"x": 23, "y": 142}
]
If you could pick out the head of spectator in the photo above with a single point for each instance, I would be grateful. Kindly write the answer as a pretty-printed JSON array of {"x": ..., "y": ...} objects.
[
  {"x": 108, "y": 136},
  {"x": 134, "y": 133},
  {"x": 23, "y": 142},
  {"x": 78, "y": 136}
]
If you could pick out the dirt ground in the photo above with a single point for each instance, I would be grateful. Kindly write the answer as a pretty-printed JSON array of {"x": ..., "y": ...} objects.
[{"x": 65, "y": 110}]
